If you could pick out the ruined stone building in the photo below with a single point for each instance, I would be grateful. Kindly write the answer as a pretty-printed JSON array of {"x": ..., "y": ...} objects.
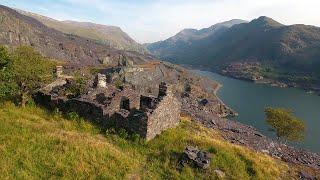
[{"x": 124, "y": 108}]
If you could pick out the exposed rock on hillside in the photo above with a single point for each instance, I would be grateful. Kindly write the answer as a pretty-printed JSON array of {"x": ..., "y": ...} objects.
[
  {"x": 17, "y": 29},
  {"x": 200, "y": 158},
  {"x": 111, "y": 36}
]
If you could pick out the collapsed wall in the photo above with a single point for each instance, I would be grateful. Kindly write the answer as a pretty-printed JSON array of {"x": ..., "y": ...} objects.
[
  {"x": 125, "y": 108},
  {"x": 155, "y": 115}
]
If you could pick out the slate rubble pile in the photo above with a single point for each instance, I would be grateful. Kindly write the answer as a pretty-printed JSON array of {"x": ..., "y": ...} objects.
[{"x": 245, "y": 135}]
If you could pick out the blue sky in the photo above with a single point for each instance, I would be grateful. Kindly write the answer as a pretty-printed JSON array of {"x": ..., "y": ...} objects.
[{"x": 154, "y": 20}]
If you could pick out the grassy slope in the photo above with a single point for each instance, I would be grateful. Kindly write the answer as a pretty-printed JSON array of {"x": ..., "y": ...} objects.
[{"x": 35, "y": 144}]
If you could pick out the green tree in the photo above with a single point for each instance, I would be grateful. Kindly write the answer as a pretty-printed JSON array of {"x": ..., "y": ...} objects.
[
  {"x": 30, "y": 71},
  {"x": 285, "y": 124},
  {"x": 7, "y": 85},
  {"x": 4, "y": 57}
]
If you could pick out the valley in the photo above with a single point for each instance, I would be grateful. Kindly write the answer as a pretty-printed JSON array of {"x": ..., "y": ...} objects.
[
  {"x": 262, "y": 50},
  {"x": 84, "y": 100}
]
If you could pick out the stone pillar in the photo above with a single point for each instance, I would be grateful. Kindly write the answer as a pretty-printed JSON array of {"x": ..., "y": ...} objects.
[
  {"x": 162, "y": 90},
  {"x": 102, "y": 80},
  {"x": 59, "y": 71}
]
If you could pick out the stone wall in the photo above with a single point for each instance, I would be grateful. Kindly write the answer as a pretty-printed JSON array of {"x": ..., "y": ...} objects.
[
  {"x": 121, "y": 109},
  {"x": 89, "y": 110},
  {"x": 133, "y": 121},
  {"x": 86, "y": 110},
  {"x": 165, "y": 116}
]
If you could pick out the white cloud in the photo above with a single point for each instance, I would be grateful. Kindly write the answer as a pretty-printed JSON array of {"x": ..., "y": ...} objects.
[{"x": 159, "y": 20}]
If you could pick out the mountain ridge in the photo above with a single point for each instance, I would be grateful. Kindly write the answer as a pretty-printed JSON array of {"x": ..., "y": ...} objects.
[
  {"x": 183, "y": 40},
  {"x": 112, "y": 36},
  {"x": 288, "y": 50},
  {"x": 17, "y": 29}
]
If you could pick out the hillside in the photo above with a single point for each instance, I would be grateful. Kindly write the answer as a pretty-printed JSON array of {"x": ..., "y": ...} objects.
[
  {"x": 265, "y": 47},
  {"x": 184, "y": 40},
  {"x": 109, "y": 35},
  {"x": 37, "y": 144},
  {"x": 17, "y": 29}
]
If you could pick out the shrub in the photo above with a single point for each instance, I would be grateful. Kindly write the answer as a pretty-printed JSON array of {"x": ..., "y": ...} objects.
[
  {"x": 123, "y": 133},
  {"x": 119, "y": 84},
  {"x": 76, "y": 87},
  {"x": 212, "y": 150},
  {"x": 22, "y": 73},
  {"x": 136, "y": 138},
  {"x": 73, "y": 116},
  {"x": 110, "y": 131},
  {"x": 31, "y": 103},
  {"x": 4, "y": 57},
  {"x": 285, "y": 124}
]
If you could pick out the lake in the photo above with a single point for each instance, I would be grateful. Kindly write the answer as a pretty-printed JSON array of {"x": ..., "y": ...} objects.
[{"x": 250, "y": 100}]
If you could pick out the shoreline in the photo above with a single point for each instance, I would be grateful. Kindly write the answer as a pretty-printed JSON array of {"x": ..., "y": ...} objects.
[
  {"x": 274, "y": 83},
  {"x": 232, "y": 112},
  {"x": 246, "y": 135},
  {"x": 269, "y": 82},
  {"x": 229, "y": 111}
]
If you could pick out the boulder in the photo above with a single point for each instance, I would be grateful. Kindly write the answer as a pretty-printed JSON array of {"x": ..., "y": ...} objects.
[
  {"x": 219, "y": 173},
  {"x": 204, "y": 102},
  {"x": 200, "y": 158}
]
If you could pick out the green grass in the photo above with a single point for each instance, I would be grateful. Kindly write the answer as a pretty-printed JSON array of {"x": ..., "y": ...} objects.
[{"x": 36, "y": 144}]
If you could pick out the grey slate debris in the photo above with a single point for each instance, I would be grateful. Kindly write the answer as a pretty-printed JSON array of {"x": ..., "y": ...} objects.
[
  {"x": 305, "y": 176},
  {"x": 200, "y": 158}
]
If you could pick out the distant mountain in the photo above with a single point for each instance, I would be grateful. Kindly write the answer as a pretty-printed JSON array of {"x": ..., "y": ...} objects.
[
  {"x": 110, "y": 35},
  {"x": 170, "y": 48},
  {"x": 291, "y": 53},
  {"x": 17, "y": 29}
]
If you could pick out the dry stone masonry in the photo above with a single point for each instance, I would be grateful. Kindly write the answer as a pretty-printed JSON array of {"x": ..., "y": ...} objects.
[
  {"x": 102, "y": 80},
  {"x": 122, "y": 108}
]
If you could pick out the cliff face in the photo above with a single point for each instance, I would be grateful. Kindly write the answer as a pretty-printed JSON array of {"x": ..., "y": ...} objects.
[{"x": 17, "y": 29}]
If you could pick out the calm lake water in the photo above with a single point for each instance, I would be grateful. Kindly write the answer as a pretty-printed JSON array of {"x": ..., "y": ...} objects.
[{"x": 250, "y": 100}]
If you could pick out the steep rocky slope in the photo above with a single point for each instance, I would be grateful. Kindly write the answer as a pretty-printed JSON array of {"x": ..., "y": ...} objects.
[
  {"x": 109, "y": 35},
  {"x": 17, "y": 29}
]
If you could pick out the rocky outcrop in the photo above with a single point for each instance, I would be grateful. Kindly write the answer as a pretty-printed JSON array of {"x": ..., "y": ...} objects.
[
  {"x": 17, "y": 29},
  {"x": 200, "y": 158},
  {"x": 110, "y": 36}
]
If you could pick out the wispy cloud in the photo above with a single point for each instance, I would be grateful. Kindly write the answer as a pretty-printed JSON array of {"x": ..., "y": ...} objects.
[{"x": 152, "y": 20}]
